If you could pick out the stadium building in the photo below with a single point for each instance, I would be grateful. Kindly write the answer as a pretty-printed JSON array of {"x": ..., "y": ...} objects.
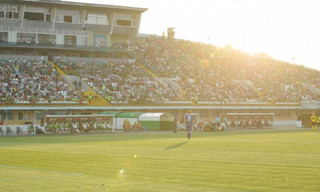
[{"x": 50, "y": 31}]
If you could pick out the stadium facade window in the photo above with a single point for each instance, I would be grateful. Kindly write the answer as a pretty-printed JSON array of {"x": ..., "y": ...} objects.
[
  {"x": 125, "y": 23},
  {"x": 46, "y": 39},
  {"x": 9, "y": 115},
  {"x": 101, "y": 20},
  {"x": 15, "y": 15},
  {"x": 67, "y": 16},
  {"x": 9, "y": 15},
  {"x": 97, "y": 19},
  {"x": 26, "y": 38},
  {"x": 20, "y": 116},
  {"x": 9, "y": 11},
  {"x": 39, "y": 115},
  {"x": 3, "y": 37},
  {"x": 24, "y": 116},
  {"x": 48, "y": 17},
  {"x": 91, "y": 19},
  {"x": 67, "y": 19},
  {"x": 31, "y": 16},
  {"x": 70, "y": 40}
]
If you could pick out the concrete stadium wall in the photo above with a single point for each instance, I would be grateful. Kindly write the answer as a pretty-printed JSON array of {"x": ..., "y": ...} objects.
[
  {"x": 26, "y": 57},
  {"x": 292, "y": 123}
]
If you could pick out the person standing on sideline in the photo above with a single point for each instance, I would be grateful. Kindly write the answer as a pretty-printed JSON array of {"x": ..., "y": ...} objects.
[
  {"x": 313, "y": 120},
  {"x": 189, "y": 121}
]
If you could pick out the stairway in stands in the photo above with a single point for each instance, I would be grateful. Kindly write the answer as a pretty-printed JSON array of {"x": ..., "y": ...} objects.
[
  {"x": 97, "y": 100},
  {"x": 169, "y": 83},
  {"x": 149, "y": 71},
  {"x": 74, "y": 81},
  {"x": 163, "y": 80}
]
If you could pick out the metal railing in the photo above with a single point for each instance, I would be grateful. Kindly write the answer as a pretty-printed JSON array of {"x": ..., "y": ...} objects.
[
  {"x": 68, "y": 47},
  {"x": 33, "y": 26},
  {"x": 10, "y": 22},
  {"x": 68, "y": 26},
  {"x": 26, "y": 57},
  {"x": 93, "y": 27},
  {"x": 43, "y": 31},
  {"x": 33, "y": 30},
  {"x": 124, "y": 30},
  {"x": 37, "y": 24}
]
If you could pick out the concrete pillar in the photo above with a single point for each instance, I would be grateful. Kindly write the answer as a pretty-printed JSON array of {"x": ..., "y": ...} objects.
[{"x": 111, "y": 22}]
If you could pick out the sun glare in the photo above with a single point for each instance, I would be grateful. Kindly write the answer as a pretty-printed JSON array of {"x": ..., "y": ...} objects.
[{"x": 282, "y": 29}]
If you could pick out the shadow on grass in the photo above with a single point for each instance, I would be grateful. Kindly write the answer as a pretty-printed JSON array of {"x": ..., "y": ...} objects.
[{"x": 176, "y": 145}]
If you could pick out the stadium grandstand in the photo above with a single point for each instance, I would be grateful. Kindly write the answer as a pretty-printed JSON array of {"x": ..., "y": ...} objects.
[{"x": 66, "y": 58}]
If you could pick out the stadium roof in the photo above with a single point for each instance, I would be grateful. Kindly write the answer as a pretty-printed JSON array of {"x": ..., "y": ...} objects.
[{"x": 58, "y": 2}]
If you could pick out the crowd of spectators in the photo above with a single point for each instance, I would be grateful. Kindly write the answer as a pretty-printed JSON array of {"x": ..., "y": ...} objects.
[
  {"x": 208, "y": 73},
  {"x": 122, "y": 82},
  {"x": 32, "y": 82},
  {"x": 205, "y": 73},
  {"x": 273, "y": 80},
  {"x": 196, "y": 67}
]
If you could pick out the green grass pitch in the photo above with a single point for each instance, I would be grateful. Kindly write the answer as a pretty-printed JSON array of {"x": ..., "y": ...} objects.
[{"x": 257, "y": 160}]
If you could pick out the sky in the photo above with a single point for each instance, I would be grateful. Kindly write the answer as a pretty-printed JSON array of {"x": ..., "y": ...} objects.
[{"x": 288, "y": 30}]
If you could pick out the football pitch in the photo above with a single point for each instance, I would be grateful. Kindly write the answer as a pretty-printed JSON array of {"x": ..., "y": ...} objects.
[{"x": 255, "y": 160}]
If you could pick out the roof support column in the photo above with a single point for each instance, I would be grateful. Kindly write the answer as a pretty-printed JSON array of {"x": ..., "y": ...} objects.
[
  {"x": 22, "y": 10},
  {"x": 53, "y": 16},
  {"x": 111, "y": 22},
  {"x": 137, "y": 19},
  {"x": 83, "y": 18}
]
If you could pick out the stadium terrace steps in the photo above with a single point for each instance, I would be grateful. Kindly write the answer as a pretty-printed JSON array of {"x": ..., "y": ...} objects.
[
  {"x": 71, "y": 79},
  {"x": 169, "y": 83},
  {"x": 165, "y": 81},
  {"x": 149, "y": 71},
  {"x": 58, "y": 69}
]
